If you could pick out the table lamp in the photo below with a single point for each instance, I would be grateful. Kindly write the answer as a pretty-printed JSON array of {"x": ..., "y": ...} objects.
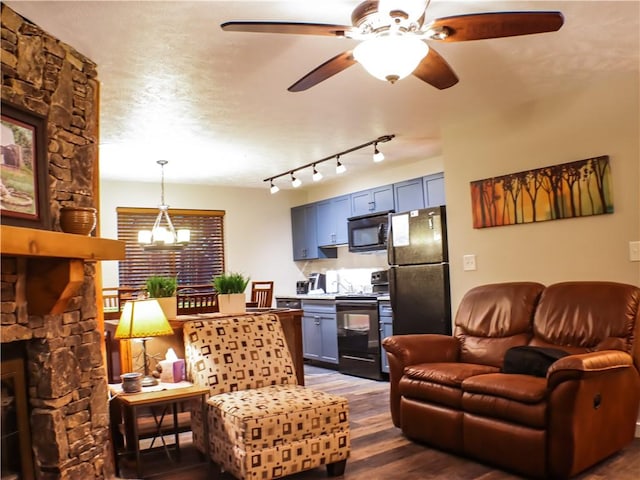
[{"x": 143, "y": 319}]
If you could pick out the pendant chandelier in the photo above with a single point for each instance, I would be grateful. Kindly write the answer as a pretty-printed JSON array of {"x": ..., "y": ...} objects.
[{"x": 163, "y": 235}]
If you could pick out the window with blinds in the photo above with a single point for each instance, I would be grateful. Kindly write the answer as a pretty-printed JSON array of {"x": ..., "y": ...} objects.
[{"x": 196, "y": 264}]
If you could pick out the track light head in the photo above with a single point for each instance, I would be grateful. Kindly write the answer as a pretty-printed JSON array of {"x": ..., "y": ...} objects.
[
  {"x": 340, "y": 168},
  {"x": 378, "y": 156},
  {"x": 317, "y": 176},
  {"x": 295, "y": 182},
  {"x": 274, "y": 188}
]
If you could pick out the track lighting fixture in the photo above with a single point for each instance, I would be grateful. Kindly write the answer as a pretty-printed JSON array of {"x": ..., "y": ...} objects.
[
  {"x": 340, "y": 168},
  {"x": 317, "y": 176},
  {"x": 378, "y": 156},
  {"x": 295, "y": 182}
]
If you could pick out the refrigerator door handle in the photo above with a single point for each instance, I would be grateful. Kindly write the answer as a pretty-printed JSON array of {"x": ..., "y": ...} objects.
[{"x": 392, "y": 289}]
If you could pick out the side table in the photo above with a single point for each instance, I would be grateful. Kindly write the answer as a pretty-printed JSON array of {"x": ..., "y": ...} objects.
[{"x": 163, "y": 395}]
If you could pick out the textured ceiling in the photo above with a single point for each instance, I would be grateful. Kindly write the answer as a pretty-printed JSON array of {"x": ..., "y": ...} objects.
[{"x": 215, "y": 104}]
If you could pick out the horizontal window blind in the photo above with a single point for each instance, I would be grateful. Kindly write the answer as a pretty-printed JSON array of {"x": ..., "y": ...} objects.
[{"x": 196, "y": 264}]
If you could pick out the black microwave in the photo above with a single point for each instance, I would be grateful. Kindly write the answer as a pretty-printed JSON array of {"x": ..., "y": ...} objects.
[{"x": 368, "y": 233}]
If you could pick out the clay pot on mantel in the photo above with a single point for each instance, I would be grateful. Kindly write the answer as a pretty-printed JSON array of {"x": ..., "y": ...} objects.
[{"x": 78, "y": 220}]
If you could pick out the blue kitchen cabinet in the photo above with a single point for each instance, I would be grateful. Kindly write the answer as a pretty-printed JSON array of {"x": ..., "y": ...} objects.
[
  {"x": 320, "y": 331},
  {"x": 332, "y": 217},
  {"x": 374, "y": 200},
  {"x": 434, "y": 190},
  {"x": 304, "y": 234},
  {"x": 409, "y": 195}
]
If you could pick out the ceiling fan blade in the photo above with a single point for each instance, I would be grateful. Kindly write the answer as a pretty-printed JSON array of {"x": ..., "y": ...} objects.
[
  {"x": 324, "y": 71},
  {"x": 495, "y": 25},
  {"x": 287, "y": 27},
  {"x": 434, "y": 70}
]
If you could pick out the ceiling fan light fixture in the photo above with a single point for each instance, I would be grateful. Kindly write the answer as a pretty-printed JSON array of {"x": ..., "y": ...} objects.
[
  {"x": 340, "y": 168},
  {"x": 414, "y": 9},
  {"x": 391, "y": 57}
]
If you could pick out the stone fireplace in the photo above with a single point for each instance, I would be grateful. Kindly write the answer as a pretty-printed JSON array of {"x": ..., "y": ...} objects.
[
  {"x": 65, "y": 378},
  {"x": 48, "y": 279}
]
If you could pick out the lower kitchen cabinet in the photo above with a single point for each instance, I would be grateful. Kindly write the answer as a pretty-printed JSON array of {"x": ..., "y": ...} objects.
[
  {"x": 320, "y": 331},
  {"x": 385, "y": 317}
]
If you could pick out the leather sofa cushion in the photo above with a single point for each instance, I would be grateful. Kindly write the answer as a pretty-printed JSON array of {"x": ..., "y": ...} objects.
[
  {"x": 520, "y": 388},
  {"x": 451, "y": 374},
  {"x": 439, "y": 382},
  {"x": 588, "y": 316},
  {"x": 493, "y": 318},
  {"x": 520, "y": 399}
]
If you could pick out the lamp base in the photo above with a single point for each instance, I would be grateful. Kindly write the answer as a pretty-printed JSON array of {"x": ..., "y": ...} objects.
[{"x": 149, "y": 381}]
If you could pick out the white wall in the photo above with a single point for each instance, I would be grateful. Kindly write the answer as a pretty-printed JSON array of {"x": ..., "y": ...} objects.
[
  {"x": 257, "y": 225},
  {"x": 599, "y": 119}
]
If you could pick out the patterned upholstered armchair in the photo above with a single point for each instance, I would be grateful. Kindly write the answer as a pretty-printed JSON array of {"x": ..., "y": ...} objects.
[{"x": 261, "y": 424}]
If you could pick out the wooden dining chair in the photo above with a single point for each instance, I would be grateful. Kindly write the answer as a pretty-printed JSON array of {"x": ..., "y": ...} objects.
[{"x": 262, "y": 293}]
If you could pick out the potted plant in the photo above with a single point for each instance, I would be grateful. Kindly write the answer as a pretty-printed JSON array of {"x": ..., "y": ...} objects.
[
  {"x": 230, "y": 287},
  {"x": 164, "y": 289}
]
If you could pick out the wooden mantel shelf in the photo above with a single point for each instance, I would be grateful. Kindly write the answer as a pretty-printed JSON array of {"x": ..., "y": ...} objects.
[
  {"x": 29, "y": 242},
  {"x": 55, "y": 263}
]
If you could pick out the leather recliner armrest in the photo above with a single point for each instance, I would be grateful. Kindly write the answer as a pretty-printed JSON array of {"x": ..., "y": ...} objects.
[
  {"x": 422, "y": 348},
  {"x": 405, "y": 350},
  {"x": 579, "y": 365}
]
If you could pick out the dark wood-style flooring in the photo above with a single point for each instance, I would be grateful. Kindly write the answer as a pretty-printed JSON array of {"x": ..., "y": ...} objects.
[{"x": 380, "y": 451}]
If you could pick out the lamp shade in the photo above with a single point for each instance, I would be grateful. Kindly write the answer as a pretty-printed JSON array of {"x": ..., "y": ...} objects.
[
  {"x": 391, "y": 57},
  {"x": 142, "y": 319}
]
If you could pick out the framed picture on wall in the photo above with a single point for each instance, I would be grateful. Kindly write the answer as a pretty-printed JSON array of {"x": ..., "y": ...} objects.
[{"x": 24, "y": 185}]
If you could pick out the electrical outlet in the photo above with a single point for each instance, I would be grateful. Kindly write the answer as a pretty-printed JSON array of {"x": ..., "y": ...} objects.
[
  {"x": 469, "y": 262},
  {"x": 634, "y": 251}
]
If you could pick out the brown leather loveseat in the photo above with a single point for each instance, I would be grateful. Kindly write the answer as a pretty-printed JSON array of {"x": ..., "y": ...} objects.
[{"x": 450, "y": 392}]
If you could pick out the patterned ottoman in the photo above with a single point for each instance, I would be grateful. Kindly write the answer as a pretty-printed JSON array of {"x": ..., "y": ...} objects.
[{"x": 261, "y": 424}]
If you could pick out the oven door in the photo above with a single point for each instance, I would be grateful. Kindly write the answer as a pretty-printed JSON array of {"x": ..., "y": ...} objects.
[{"x": 358, "y": 338}]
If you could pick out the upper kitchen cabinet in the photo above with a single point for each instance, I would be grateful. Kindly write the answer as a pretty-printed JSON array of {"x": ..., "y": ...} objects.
[
  {"x": 304, "y": 234},
  {"x": 409, "y": 195},
  {"x": 374, "y": 200},
  {"x": 434, "y": 190},
  {"x": 332, "y": 217}
]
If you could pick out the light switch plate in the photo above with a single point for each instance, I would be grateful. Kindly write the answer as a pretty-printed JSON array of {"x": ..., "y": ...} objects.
[
  {"x": 469, "y": 262},
  {"x": 634, "y": 251}
]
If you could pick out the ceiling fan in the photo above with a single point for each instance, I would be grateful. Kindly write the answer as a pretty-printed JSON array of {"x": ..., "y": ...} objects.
[{"x": 392, "y": 34}]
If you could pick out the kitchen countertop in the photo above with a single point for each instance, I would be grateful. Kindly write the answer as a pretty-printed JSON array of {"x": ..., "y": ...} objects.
[{"x": 322, "y": 296}]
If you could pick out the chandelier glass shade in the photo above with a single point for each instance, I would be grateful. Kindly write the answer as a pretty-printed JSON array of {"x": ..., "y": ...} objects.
[
  {"x": 391, "y": 57},
  {"x": 163, "y": 235}
]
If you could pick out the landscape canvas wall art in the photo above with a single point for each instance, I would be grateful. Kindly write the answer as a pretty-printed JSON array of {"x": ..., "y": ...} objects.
[{"x": 574, "y": 189}]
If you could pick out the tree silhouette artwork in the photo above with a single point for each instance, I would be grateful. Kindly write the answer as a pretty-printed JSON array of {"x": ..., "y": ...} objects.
[{"x": 575, "y": 189}]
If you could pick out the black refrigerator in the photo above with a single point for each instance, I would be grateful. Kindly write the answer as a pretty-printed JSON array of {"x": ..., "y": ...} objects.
[{"x": 419, "y": 272}]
